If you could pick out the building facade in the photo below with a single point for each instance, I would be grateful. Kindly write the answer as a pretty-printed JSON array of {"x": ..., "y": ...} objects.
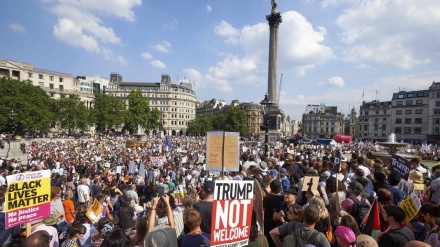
[
  {"x": 53, "y": 83},
  {"x": 375, "y": 121},
  {"x": 409, "y": 115},
  {"x": 176, "y": 102},
  {"x": 320, "y": 121},
  {"x": 209, "y": 107},
  {"x": 254, "y": 115}
]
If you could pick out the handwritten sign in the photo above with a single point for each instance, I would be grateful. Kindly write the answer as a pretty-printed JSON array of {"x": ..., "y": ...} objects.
[
  {"x": 27, "y": 198},
  {"x": 310, "y": 183},
  {"x": 94, "y": 213},
  {"x": 410, "y": 208},
  {"x": 232, "y": 213},
  {"x": 216, "y": 153},
  {"x": 400, "y": 166}
]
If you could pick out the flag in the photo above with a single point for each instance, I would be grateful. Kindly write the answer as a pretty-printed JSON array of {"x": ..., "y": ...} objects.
[
  {"x": 372, "y": 221},
  {"x": 167, "y": 142}
]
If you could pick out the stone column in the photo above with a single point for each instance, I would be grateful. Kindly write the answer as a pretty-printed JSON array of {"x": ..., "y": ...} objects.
[{"x": 274, "y": 21}]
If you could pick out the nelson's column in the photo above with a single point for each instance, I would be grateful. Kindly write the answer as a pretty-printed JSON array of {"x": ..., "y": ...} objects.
[{"x": 276, "y": 114}]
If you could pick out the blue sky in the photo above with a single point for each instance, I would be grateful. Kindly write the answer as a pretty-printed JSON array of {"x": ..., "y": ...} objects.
[{"x": 330, "y": 51}]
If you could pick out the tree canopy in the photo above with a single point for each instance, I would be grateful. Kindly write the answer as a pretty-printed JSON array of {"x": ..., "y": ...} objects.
[
  {"x": 107, "y": 112},
  {"x": 71, "y": 113}
]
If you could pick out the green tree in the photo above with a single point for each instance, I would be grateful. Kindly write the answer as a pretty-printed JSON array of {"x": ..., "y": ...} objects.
[
  {"x": 31, "y": 105},
  {"x": 138, "y": 113},
  {"x": 107, "y": 112},
  {"x": 236, "y": 120},
  {"x": 218, "y": 121},
  {"x": 71, "y": 113},
  {"x": 200, "y": 125}
]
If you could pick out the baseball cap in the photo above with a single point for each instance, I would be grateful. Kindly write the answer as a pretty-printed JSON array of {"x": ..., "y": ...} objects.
[
  {"x": 209, "y": 186},
  {"x": 273, "y": 172},
  {"x": 283, "y": 171},
  {"x": 355, "y": 185}
]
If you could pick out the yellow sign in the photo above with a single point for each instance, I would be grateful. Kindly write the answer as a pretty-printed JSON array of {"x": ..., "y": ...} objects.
[
  {"x": 410, "y": 208},
  {"x": 94, "y": 212}
]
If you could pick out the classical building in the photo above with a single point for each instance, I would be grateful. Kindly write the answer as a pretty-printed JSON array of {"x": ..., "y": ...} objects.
[
  {"x": 209, "y": 107},
  {"x": 320, "y": 121},
  {"x": 409, "y": 115},
  {"x": 176, "y": 102},
  {"x": 54, "y": 83},
  {"x": 375, "y": 121},
  {"x": 254, "y": 116}
]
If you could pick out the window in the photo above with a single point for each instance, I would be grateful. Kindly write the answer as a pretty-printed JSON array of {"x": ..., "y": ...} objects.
[
  {"x": 437, "y": 103},
  {"x": 407, "y": 130},
  {"x": 417, "y": 130},
  {"x": 419, "y": 102},
  {"x": 384, "y": 127},
  {"x": 400, "y": 96},
  {"x": 384, "y": 119},
  {"x": 436, "y": 120},
  {"x": 420, "y": 94},
  {"x": 398, "y": 120},
  {"x": 41, "y": 84},
  {"x": 419, "y": 111},
  {"x": 407, "y": 120},
  {"x": 410, "y": 95},
  {"x": 408, "y": 111},
  {"x": 30, "y": 74},
  {"x": 398, "y": 130},
  {"x": 61, "y": 88},
  {"x": 399, "y": 112},
  {"x": 409, "y": 102},
  {"x": 399, "y": 102},
  {"x": 377, "y": 112},
  {"x": 61, "y": 79},
  {"x": 51, "y": 78},
  {"x": 365, "y": 127},
  {"x": 384, "y": 111},
  {"x": 51, "y": 85},
  {"x": 40, "y": 76},
  {"x": 418, "y": 120}
]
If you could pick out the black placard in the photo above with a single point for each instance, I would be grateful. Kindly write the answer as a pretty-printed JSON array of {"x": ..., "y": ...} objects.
[{"x": 400, "y": 166}]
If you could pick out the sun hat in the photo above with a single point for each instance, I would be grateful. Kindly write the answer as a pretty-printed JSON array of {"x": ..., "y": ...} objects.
[
  {"x": 417, "y": 179},
  {"x": 161, "y": 236},
  {"x": 366, "y": 241},
  {"x": 263, "y": 166}
]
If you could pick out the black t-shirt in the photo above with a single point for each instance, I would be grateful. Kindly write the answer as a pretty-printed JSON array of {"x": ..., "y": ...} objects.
[
  {"x": 205, "y": 210},
  {"x": 126, "y": 215},
  {"x": 96, "y": 190},
  {"x": 396, "y": 238},
  {"x": 271, "y": 204}
]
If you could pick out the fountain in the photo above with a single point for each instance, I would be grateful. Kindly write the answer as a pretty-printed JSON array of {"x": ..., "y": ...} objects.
[
  {"x": 389, "y": 148},
  {"x": 140, "y": 139}
]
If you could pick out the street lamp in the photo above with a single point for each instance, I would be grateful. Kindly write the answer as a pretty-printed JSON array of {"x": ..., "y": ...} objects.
[{"x": 266, "y": 105}]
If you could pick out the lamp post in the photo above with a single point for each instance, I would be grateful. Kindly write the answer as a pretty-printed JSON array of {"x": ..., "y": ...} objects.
[{"x": 266, "y": 105}]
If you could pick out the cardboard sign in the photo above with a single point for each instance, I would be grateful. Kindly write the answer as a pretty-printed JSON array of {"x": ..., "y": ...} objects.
[
  {"x": 222, "y": 147},
  {"x": 94, "y": 213},
  {"x": 232, "y": 213},
  {"x": 410, "y": 208},
  {"x": 310, "y": 183},
  {"x": 27, "y": 198},
  {"x": 400, "y": 166}
]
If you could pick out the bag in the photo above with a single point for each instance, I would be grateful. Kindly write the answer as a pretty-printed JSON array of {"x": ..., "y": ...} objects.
[
  {"x": 293, "y": 240},
  {"x": 360, "y": 210},
  {"x": 329, "y": 233}
]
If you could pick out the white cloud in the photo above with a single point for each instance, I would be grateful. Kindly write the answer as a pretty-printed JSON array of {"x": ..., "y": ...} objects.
[
  {"x": 17, "y": 28},
  {"x": 147, "y": 55},
  {"x": 163, "y": 47},
  {"x": 193, "y": 75},
  {"x": 158, "y": 64},
  {"x": 67, "y": 31},
  {"x": 299, "y": 49},
  {"x": 122, "y": 60},
  {"x": 337, "y": 81},
  {"x": 390, "y": 32},
  {"x": 84, "y": 18},
  {"x": 208, "y": 8}
]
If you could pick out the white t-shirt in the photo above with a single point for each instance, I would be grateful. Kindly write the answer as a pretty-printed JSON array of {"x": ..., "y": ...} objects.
[
  {"x": 83, "y": 190},
  {"x": 52, "y": 232},
  {"x": 2, "y": 181}
]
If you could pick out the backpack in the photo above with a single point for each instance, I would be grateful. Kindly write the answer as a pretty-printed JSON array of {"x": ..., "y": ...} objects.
[
  {"x": 360, "y": 210},
  {"x": 293, "y": 240}
]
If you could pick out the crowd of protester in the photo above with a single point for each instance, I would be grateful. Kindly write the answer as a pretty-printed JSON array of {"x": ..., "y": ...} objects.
[{"x": 161, "y": 195}]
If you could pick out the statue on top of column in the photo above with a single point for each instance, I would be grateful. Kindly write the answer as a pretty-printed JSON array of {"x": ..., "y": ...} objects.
[{"x": 274, "y": 6}]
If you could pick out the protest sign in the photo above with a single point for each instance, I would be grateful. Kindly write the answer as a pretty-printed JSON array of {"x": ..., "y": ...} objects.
[
  {"x": 231, "y": 213},
  {"x": 400, "y": 166},
  {"x": 27, "y": 198},
  {"x": 94, "y": 213},
  {"x": 410, "y": 208},
  {"x": 337, "y": 161},
  {"x": 310, "y": 183},
  {"x": 223, "y": 150}
]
